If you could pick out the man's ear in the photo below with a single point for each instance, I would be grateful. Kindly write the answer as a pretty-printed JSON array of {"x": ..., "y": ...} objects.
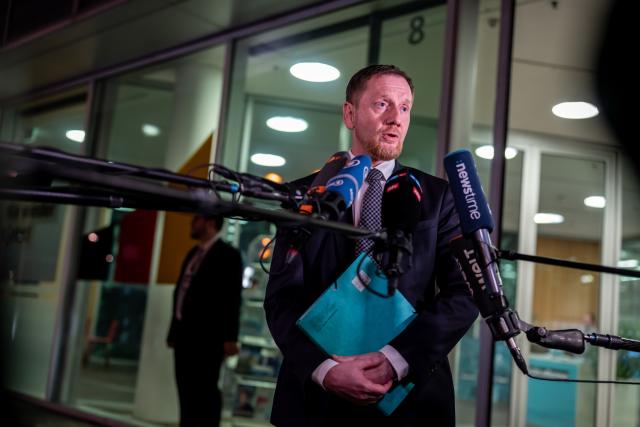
[{"x": 348, "y": 115}]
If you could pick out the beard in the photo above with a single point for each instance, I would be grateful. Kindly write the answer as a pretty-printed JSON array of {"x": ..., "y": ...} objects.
[{"x": 381, "y": 151}]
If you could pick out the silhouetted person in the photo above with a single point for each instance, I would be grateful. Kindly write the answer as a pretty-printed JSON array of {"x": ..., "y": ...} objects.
[{"x": 204, "y": 325}]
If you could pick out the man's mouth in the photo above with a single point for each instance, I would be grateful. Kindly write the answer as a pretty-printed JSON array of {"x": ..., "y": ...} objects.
[{"x": 390, "y": 136}]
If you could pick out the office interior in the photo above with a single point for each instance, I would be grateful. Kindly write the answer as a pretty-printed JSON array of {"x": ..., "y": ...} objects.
[{"x": 86, "y": 292}]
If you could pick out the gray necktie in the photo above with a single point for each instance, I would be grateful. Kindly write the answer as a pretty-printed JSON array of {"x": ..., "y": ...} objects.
[{"x": 370, "y": 209}]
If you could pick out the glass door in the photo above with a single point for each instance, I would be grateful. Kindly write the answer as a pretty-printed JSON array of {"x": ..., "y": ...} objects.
[{"x": 568, "y": 205}]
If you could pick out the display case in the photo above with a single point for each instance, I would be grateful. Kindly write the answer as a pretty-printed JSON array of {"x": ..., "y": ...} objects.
[{"x": 249, "y": 379}]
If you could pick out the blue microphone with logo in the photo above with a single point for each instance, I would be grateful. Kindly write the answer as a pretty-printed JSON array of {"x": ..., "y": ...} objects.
[
  {"x": 475, "y": 254},
  {"x": 341, "y": 190},
  {"x": 329, "y": 198}
]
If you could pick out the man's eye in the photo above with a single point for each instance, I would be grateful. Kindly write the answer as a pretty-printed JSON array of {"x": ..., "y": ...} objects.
[
  {"x": 404, "y": 109},
  {"x": 381, "y": 104}
]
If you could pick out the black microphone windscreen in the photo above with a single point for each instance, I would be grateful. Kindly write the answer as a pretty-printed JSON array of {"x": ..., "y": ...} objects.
[
  {"x": 401, "y": 202},
  {"x": 332, "y": 166}
]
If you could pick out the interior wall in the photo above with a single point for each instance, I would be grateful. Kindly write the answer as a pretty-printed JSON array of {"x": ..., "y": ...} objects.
[{"x": 560, "y": 296}]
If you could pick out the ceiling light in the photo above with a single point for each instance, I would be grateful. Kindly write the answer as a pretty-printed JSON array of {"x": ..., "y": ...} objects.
[
  {"x": 314, "y": 72},
  {"x": 548, "y": 218},
  {"x": 595, "y": 202},
  {"x": 628, "y": 263},
  {"x": 274, "y": 177},
  {"x": 287, "y": 124},
  {"x": 150, "y": 130},
  {"x": 267, "y": 159},
  {"x": 575, "y": 110},
  {"x": 486, "y": 152},
  {"x": 75, "y": 135}
]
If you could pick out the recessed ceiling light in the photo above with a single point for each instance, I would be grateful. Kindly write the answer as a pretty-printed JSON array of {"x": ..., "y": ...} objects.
[
  {"x": 75, "y": 135},
  {"x": 548, "y": 218},
  {"x": 272, "y": 176},
  {"x": 628, "y": 263},
  {"x": 287, "y": 124},
  {"x": 314, "y": 72},
  {"x": 263, "y": 159},
  {"x": 595, "y": 202},
  {"x": 575, "y": 110},
  {"x": 150, "y": 130},
  {"x": 486, "y": 152}
]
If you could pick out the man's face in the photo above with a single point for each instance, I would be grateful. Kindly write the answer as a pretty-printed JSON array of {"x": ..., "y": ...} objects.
[
  {"x": 198, "y": 227},
  {"x": 379, "y": 117}
]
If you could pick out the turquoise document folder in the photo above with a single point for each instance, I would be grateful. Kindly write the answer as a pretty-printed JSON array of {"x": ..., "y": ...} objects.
[{"x": 347, "y": 319}]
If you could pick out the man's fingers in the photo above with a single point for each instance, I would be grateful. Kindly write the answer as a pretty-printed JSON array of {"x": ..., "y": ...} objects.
[
  {"x": 374, "y": 389},
  {"x": 342, "y": 359}
]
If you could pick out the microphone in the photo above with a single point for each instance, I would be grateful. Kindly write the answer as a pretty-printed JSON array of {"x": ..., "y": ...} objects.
[
  {"x": 330, "y": 169},
  {"x": 475, "y": 255},
  {"x": 400, "y": 215},
  {"x": 342, "y": 189},
  {"x": 337, "y": 196}
]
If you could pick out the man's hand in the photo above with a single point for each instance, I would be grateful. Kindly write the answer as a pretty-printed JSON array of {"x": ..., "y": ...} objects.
[
  {"x": 349, "y": 380},
  {"x": 231, "y": 348},
  {"x": 380, "y": 370}
]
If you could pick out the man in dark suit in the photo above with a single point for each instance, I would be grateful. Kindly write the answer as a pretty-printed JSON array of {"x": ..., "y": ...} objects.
[
  {"x": 314, "y": 389},
  {"x": 204, "y": 325}
]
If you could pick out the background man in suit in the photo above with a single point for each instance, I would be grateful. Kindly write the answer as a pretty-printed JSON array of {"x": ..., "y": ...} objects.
[
  {"x": 204, "y": 326},
  {"x": 315, "y": 390}
]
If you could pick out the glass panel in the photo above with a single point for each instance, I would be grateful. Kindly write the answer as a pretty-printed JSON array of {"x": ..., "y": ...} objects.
[
  {"x": 36, "y": 238},
  {"x": 118, "y": 364},
  {"x": 547, "y": 68},
  {"x": 472, "y": 128},
  {"x": 566, "y": 298},
  {"x": 415, "y": 43},
  {"x": 502, "y": 362},
  {"x": 262, "y": 87},
  {"x": 627, "y": 398}
]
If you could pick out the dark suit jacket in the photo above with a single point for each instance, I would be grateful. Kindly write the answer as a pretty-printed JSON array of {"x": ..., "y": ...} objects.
[
  {"x": 434, "y": 286},
  {"x": 211, "y": 307}
]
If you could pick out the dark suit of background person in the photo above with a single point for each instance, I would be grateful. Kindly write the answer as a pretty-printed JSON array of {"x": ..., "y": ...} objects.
[
  {"x": 208, "y": 328},
  {"x": 434, "y": 286}
]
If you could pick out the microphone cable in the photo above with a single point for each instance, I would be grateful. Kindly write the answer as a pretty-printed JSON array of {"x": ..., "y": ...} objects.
[
  {"x": 567, "y": 380},
  {"x": 363, "y": 280}
]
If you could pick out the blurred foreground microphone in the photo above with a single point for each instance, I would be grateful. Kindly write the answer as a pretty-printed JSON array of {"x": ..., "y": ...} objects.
[
  {"x": 336, "y": 196},
  {"x": 341, "y": 190},
  {"x": 400, "y": 215},
  {"x": 475, "y": 253},
  {"x": 330, "y": 169}
]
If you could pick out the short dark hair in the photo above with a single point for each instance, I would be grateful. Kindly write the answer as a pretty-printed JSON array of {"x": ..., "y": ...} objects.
[
  {"x": 359, "y": 80},
  {"x": 218, "y": 220}
]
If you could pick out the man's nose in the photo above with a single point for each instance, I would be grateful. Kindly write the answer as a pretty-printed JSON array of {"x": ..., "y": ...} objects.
[{"x": 393, "y": 116}]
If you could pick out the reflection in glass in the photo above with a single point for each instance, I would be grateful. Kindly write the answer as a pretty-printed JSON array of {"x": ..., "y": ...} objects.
[
  {"x": 627, "y": 398},
  {"x": 160, "y": 117},
  {"x": 35, "y": 241}
]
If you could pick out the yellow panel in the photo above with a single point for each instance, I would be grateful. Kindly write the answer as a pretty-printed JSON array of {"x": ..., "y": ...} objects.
[{"x": 177, "y": 225}]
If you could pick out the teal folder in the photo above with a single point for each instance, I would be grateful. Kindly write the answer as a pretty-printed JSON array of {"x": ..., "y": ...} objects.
[{"x": 347, "y": 319}]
